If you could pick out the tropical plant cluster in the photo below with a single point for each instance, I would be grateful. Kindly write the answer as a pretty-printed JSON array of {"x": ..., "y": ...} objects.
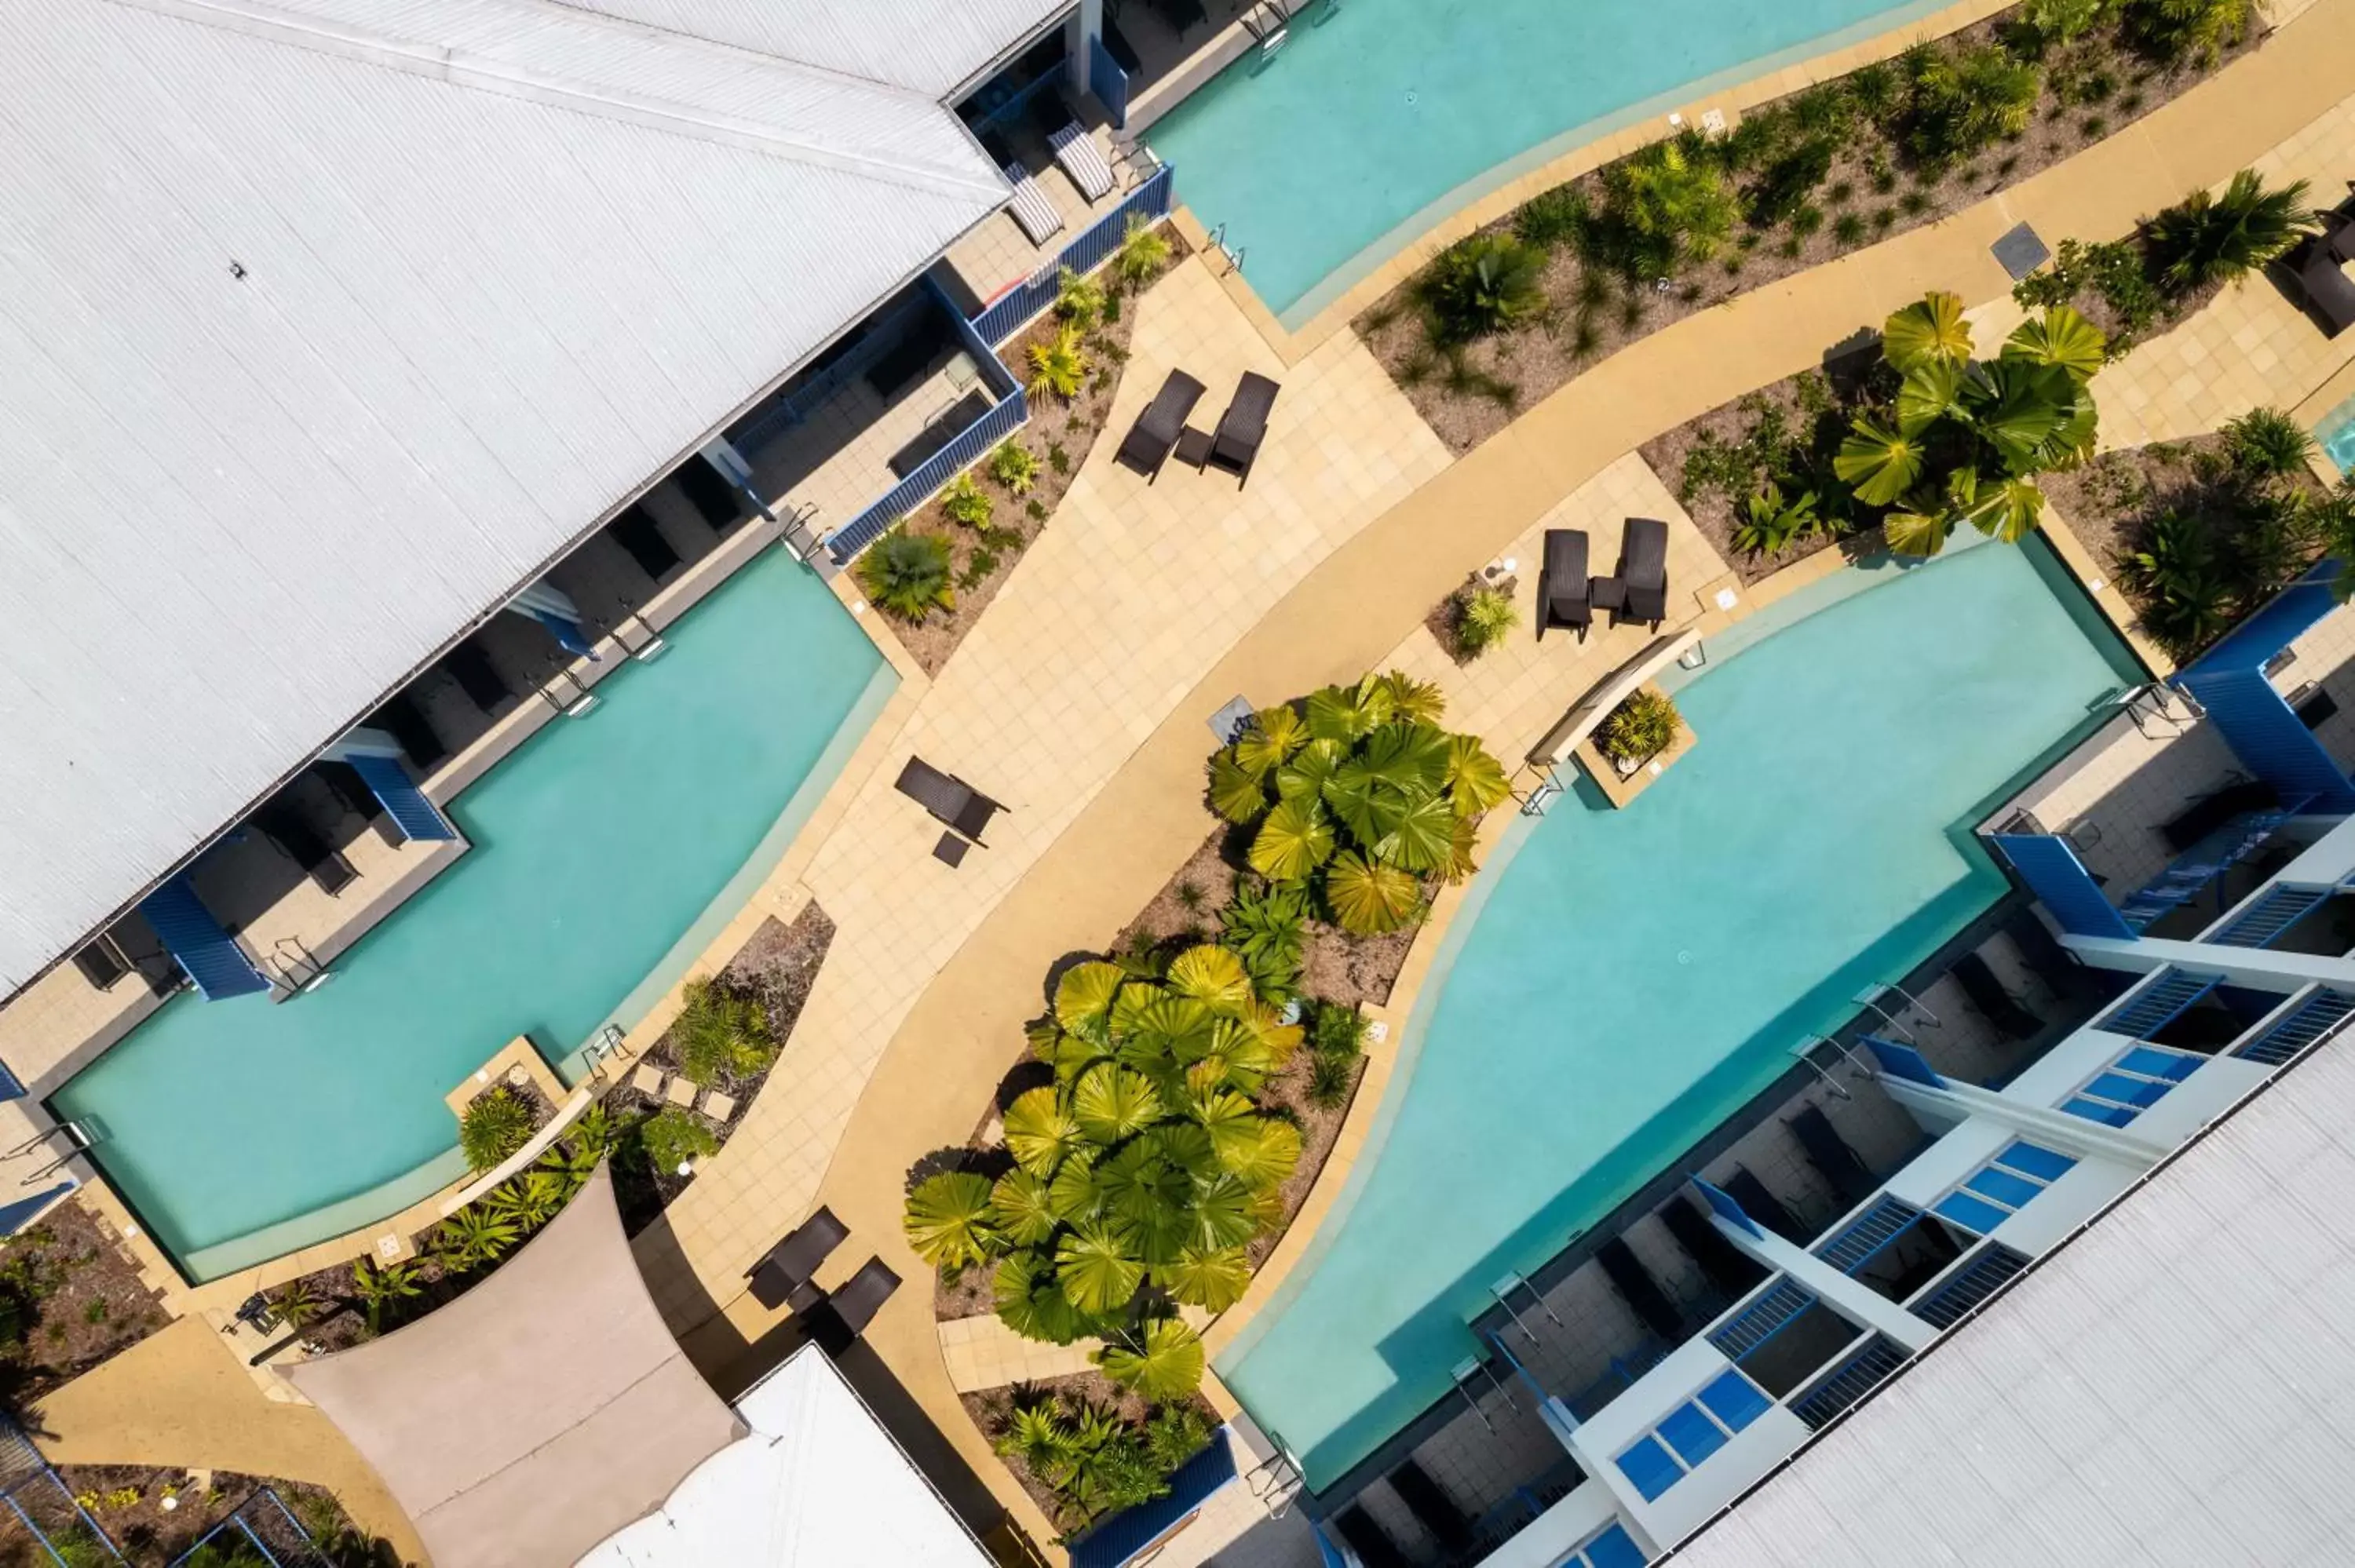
[
  {"x": 1849, "y": 160},
  {"x": 720, "y": 1036},
  {"x": 2226, "y": 527},
  {"x": 1639, "y": 728},
  {"x": 1094, "y": 1460},
  {"x": 496, "y": 1124},
  {"x": 2170, "y": 261},
  {"x": 1358, "y": 798},
  {"x": 1479, "y": 618}
]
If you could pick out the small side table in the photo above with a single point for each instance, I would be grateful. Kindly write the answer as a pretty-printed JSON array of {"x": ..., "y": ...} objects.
[
  {"x": 1607, "y": 593},
  {"x": 951, "y": 849},
  {"x": 1193, "y": 447}
]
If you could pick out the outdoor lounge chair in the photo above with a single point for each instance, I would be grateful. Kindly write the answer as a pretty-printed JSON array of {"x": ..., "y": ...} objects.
[
  {"x": 1563, "y": 598},
  {"x": 1730, "y": 1269},
  {"x": 1643, "y": 572},
  {"x": 636, "y": 532},
  {"x": 785, "y": 1276},
  {"x": 399, "y": 718},
  {"x": 2063, "y": 972},
  {"x": 343, "y": 782},
  {"x": 1744, "y": 1186},
  {"x": 2322, "y": 287},
  {"x": 286, "y": 827},
  {"x": 1992, "y": 997},
  {"x": 861, "y": 1297},
  {"x": 1082, "y": 159},
  {"x": 714, "y": 499},
  {"x": 2213, "y": 810},
  {"x": 1154, "y": 435},
  {"x": 1431, "y": 1507},
  {"x": 1030, "y": 208},
  {"x": 1366, "y": 1538},
  {"x": 1235, "y": 445},
  {"x": 469, "y": 666},
  {"x": 948, "y": 798},
  {"x": 1642, "y": 1292},
  {"x": 1830, "y": 1153}
]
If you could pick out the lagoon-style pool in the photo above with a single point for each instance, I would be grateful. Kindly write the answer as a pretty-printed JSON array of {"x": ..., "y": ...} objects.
[
  {"x": 1378, "y": 117},
  {"x": 607, "y": 851},
  {"x": 1623, "y": 980}
]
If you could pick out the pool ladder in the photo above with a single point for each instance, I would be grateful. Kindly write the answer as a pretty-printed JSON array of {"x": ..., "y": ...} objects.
[
  {"x": 604, "y": 1049},
  {"x": 646, "y": 652},
  {"x": 294, "y": 968},
  {"x": 1269, "y": 25},
  {"x": 76, "y": 1135},
  {"x": 578, "y": 705}
]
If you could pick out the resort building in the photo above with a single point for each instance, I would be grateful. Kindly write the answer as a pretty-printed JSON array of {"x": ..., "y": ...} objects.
[{"x": 2025, "y": 1324}]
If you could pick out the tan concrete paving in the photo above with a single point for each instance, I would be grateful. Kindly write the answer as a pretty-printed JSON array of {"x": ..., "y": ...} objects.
[{"x": 180, "y": 1399}]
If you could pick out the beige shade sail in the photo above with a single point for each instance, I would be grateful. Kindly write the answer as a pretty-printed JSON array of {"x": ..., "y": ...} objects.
[{"x": 537, "y": 1414}]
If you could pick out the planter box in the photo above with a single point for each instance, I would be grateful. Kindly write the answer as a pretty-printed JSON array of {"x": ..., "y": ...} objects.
[{"x": 1622, "y": 787}]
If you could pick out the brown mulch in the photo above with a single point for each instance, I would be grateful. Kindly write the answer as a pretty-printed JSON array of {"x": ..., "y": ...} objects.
[
  {"x": 1569, "y": 339},
  {"x": 776, "y": 967},
  {"x": 1319, "y": 1130},
  {"x": 151, "y": 1535},
  {"x": 2109, "y": 499},
  {"x": 80, "y": 1298},
  {"x": 1056, "y": 427}
]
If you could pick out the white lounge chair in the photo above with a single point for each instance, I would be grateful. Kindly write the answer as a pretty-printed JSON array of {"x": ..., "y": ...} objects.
[
  {"x": 1084, "y": 160},
  {"x": 1030, "y": 207}
]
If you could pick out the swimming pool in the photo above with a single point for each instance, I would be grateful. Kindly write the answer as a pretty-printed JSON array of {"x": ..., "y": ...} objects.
[
  {"x": 1379, "y": 117},
  {"x": 607, "y": 851},
  {"x": 2336, "y": 435},
  {"x": 1633, "y": 977}
]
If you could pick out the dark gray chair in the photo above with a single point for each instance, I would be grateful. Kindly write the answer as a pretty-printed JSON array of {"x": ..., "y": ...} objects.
[
  {"x": 1234, "y": 445},
  {"x": 1994, "y": 1000},
  {"x": 862, "y": 1296},
  {"x": 2322, "y": 287},
  {"x": 287, "y": 828},
  {"x": 1154, "y": 435},
  {"x": 636, "y": 532},
  {"x": 1643, "y": 572},
  {"x": 948, "y": 798},
  {"x": 1640, "y": 1290},
  {"x": 784, "y": 1275},
  {"x": 1561, "y": 583},
  {"x": 1830, "y": 1153}
]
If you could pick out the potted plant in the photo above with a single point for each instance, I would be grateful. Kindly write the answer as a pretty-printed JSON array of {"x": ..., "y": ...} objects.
[{"x": 1637, "y": 730}]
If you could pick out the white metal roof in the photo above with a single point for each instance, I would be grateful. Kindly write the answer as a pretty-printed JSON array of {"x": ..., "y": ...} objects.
[
  {"x": 818, "y": 1484},
  {"x": 502, "y": 261},
  {"x": 2176, "y": 1386},
  {"x": 927, "y": 46}
]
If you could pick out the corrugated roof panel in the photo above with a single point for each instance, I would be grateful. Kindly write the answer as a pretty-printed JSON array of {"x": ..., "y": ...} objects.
[
  {"x": 234, "y": 512},
  {"x": 925, "y": 45}
]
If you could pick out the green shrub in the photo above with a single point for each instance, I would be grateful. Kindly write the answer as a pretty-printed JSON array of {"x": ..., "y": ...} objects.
[
  {"x": 964, "y": 501},
  {"x": 1967, "y": 99},
  {"x": 2206, "y": 238},
  {"x": 1553, "y": 218},
  {"x": 2267, "y": 443},
  {"x": 1059, "y": 366},
  {"x": 1787, "y": 182},
  {"x": 674, "y": 1137},
  {"x": 719, "y": 1033},
  {"x": 1848, "y": 228},
  {"x": 1876, "y": 90},
  {"x": 1143, "y": 253},
  {"x": 2114, "y": 270},
  {"x": 1339, "y": 1032},
  {"x": 1078, "y": 300},
  {"x": 495, "y": 1125},
  {"x": 906, "y": 575},
  {"x": 1479, "y": 286},
  {"x": 1484, "y": 618},
  {"x": 1639, "y": 728},
  {"x": 2178, "y": 576},
  {"x": 1015, "y": 467},
  {"x": 1266, "y": 926},
  {"x": 1769, "y": 521},
  {"x": 2048, "y": 24},
  {"x": 1329, "y": 1080},
  {"x": 2187, "y": 29},
  {"x": 1668, "y": 207}
]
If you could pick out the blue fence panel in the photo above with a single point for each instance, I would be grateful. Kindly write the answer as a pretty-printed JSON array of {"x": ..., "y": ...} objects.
[
  {"x": 1108, "y": 82},
  {"x": 2271, "y": 740},
  {"x": 1006, "y": 314},
  {"x": 2055, "y": 875},
  {"x": 265, "y": 1523},
  {"x": 196, "y": 940},
  {"x": 910, "y": 493}
]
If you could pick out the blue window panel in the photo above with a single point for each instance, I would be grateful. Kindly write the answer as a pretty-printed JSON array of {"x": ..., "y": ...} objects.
[
  {"x": 2038, "y": 1162},
  {"x": 1735, "y": 1400},
  {"x": 2125, "y": 1091},
  {"x": 2012, "y": 1192},
  {"x": 1648, "y": 1465},
  {"x": 2171, "y": 1065},
  {"x": 1613, "y": 1548},
  {"x": 1971, "y": 1214},
  {"x": 2108, "y": 1115},
  {"x": 1692, "y": 1435}
]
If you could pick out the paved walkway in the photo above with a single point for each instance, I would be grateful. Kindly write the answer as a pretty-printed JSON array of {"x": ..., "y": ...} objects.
[{"x": 178, "y": 1399}]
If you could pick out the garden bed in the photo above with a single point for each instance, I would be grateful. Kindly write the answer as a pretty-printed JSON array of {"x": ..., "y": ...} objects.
[
  {"x": 76, "y": 1299},
  {"x": 1059, "y": 435},
  {"x": 127, "y": 1502},
  {"x": 991, "y": 1411},
  {"x": 1871, "y": 187}
]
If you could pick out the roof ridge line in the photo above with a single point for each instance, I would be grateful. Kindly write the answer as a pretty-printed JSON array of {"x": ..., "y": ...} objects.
[{"x": 465, "y": 67}]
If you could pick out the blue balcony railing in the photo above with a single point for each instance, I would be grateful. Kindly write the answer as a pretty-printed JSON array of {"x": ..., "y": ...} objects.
[
  {"x": 1006, "y": 314},
  {"x": 1108, "y": 81}
]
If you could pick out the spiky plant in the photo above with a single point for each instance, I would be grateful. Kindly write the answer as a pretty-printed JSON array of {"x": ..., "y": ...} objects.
[
  {"x": 1484, "y": 618},
  {"x": 378, "y": 1286},
  {"x": 2207, "y": 238},
  {"x": 496, "y": 1124},
  {"x": 1143, "y": 253},
  {"x": 1078, "y": 300},
  {"x": 964, "y": 501},
  {"x": 720, "y": 1034},
  {"x": 1161, "y": 1360},
  {"x": 908, "y": 575},
  {"x": 1480, "y": 286},
  {"x": 475, "y": 1235},
  {"x": 1015, "y": 467},
  {"x": 948, "y": 1220},
  {"x": 1059, "y": 366},
  {"x": 2267, "y": 443}
]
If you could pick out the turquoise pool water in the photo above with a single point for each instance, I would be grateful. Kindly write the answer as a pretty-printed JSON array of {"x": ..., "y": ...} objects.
[
  {"x": 1319, "y": 160},
  {"x": 1633, "y": 977},
  {"x": 2337, "y": 434},
  {"x": 606, "y": 852}
]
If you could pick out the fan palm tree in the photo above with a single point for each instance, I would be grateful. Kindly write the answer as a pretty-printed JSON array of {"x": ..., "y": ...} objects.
[
  {"x": 1269, "y": 741},
  {"x": 2206, "y": 238},
  {"x": 1058, "y": 366},
  {"x": 1095, "y": 1268},
  {"x": 1212, "y": 1279},
  {"x": 948, "y": 1220},
  {"x": 908, "y": 575},
  {"x": 1369, "y": 897},
  {"x": 1160, "y": 1361},
  {"x": 1022, "y": 1208},
  {"x": 1032, "y": 1302},
  {"x": 1481, "y": 285},
  {"x": 1040, "y": 1131}
]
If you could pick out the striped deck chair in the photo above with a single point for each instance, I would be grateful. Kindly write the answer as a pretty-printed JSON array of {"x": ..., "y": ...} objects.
[
  {"x": 1084, "y": 160},
  {"x": 1030, "y": 207}
]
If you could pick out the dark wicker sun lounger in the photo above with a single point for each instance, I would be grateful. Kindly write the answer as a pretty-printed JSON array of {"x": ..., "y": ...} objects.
[
  {"x": 1366, "y": 1538},
  {"x": 1431, "y": 1507},
  {"x": 1744, "y": 1188},
  {"x": 636, "y": 532},
  {"x": 2058, "y": 967},
  {"x": 1181, "y": 15},
  {"x": 1561, "y": 582},
  {"x": 946, "y": 797},
  {"x": 469, "y": 666},
  {"x": 1992, "y": 997},
  {"x": 1644, "y": 569},
  {"x": 2212, "y": 811},
  {"x": 862, "y": 1296},
  {"x": 1830, "y": 1153},
  {"x": 400, "y": 719},
  {"x": 285, "y": 827},
  {"x": 784, "y": 1277},
  {"x": 2327, "y": 291},
  {"x": 1729, "y": 1268},
  {"x": 714, "y": 499},
  {"x": 343, "y": 782},
  {"x": 1235, "y": 446},
  {"x": 1154, "y": 435},
  {"x": 1643, "y": 1293}
]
